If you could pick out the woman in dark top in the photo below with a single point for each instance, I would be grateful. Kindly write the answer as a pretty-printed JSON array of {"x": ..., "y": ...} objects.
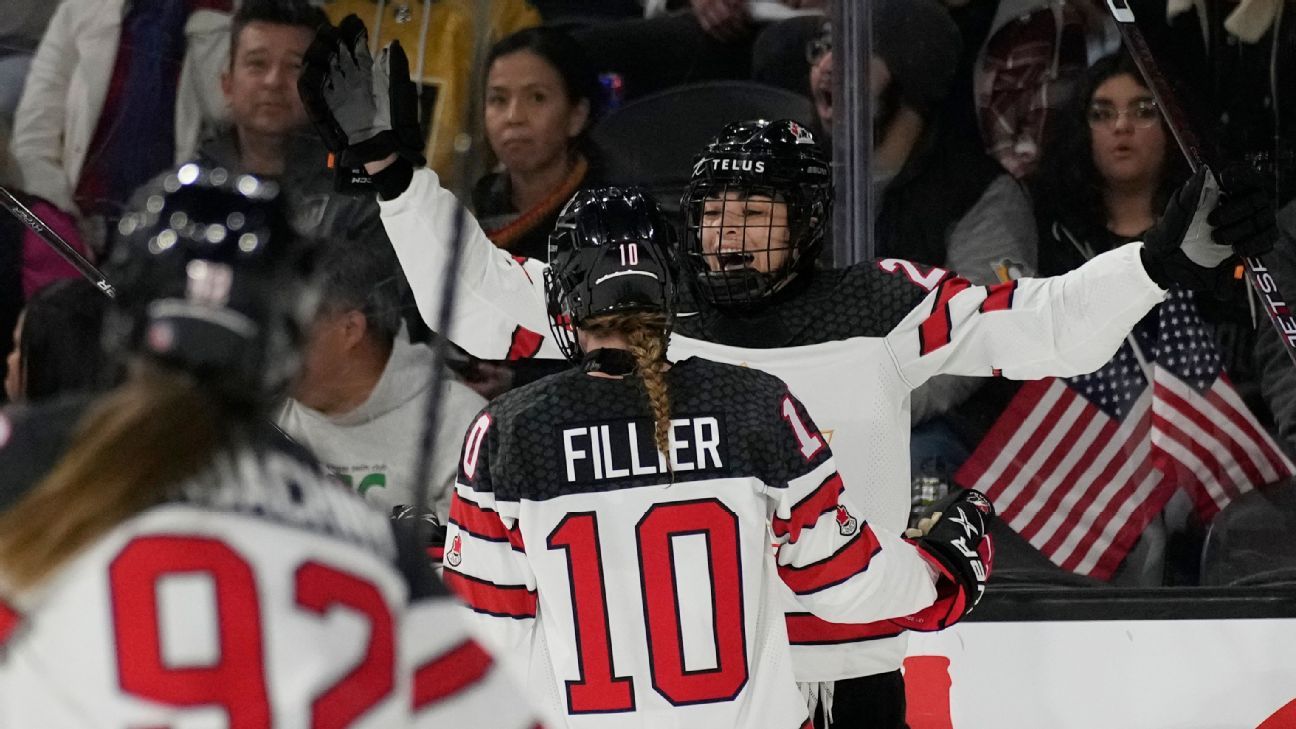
[
  {"x": 1109, "y": 170},
  {"x": 541, "y": 95}
]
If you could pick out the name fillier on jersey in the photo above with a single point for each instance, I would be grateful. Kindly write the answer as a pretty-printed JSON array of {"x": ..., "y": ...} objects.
[{"x": 626, "y": 448}]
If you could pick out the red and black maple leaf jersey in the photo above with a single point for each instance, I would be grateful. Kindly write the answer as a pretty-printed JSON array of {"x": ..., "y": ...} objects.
[
  {"x": 640, "y": 585},
  {"x": 852, "y": 344},
  {"x": 260, "y": 593}
]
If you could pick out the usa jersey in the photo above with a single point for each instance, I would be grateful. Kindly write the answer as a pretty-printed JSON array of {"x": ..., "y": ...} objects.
[
  {"x": 641, "y": 586},
  {"x": 854, "y": 344},
  {"x": 260, "y": 594}
]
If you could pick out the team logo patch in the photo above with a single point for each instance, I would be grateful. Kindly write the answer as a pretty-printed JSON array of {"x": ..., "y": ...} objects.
[
  {"x": 846, "y": 523},
  {"x": 803, "y": 135},
  {"x": 454, "y": 555}
]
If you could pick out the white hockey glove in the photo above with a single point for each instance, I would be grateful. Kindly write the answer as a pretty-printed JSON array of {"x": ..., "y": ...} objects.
[{"x": 1195, "y": 243}]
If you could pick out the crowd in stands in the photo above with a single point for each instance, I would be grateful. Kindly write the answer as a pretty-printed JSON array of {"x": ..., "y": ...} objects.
[{"x": 1012, "y": 138}]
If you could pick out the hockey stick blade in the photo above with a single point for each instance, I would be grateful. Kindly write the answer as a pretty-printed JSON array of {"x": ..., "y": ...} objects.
[
  {"x": 55, "y": 241},
  {"x": 1258, "y": 274}
]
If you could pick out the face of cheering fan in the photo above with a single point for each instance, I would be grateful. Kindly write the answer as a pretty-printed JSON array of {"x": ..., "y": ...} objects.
[{"x": 744, "y": 231}]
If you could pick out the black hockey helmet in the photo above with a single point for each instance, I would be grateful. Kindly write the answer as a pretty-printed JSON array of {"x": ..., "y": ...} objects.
[
  {"x": 211, "y": 279},
  {"x": 778, "y": 160},
  {"x": 611, "y": 252}
]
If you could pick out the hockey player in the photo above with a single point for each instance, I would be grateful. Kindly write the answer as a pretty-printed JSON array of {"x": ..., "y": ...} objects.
[
  {"x": 853, "y": 343},
  {"x": 612, "y": 522},
  {"x": 168, "y": 559}
]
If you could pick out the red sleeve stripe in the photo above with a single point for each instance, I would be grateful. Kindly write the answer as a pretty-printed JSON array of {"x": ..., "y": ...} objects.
[
  {"x": 853, "y": 558},
  {"x": 483, "y": 523},
  {"x": 525, "y": 344},
  {"x": 806, "y": 629},
  {"x": 483, "y": 596},
  {"x": 936, "y": 329},
  {"x": 9, "y": 621},
  {"x": 449, "y": 673},
  {"x": 436, "y": 552},
  {"x": 807, "y": 511},
  {"x": 999, "y": 297}
]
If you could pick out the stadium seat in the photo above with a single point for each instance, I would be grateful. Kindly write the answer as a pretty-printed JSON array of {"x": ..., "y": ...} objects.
[
  {"x": 1252, "y": 541},
  {"x": 651, "y": 141}
]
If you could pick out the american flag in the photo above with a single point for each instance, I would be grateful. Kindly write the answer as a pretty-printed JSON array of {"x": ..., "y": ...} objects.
[{"x": 1080, "y": 466}]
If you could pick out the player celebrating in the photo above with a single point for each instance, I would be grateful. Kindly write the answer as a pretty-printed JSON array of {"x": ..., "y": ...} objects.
[
  {"x": 853, "y": 343},
  {"x": 612, "y": 522},
  {"x": 168, "y": 559}
]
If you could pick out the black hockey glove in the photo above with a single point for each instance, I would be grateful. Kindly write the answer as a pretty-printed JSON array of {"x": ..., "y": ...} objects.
[
  {"x": 352, "y": 100},
  {"x": 1196, "y": 242},
  {"x": 433, "y": 538},
  {"x": 955, "y": 540}
]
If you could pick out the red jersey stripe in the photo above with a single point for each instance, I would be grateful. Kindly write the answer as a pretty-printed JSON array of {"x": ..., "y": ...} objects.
[
  {"x": 483, "y": 523},
  {"x": 853, "y": 558},
  {"x": 936, "y": 329},
  {"x": 508, "y": 601},
  {"x": 807, "y": 511},
  {"x": 449, "y": 673},
  {"x": 806, "y": 629},
  {"x": 525, "y": 344},
  {"x": 999, "y": 297}
]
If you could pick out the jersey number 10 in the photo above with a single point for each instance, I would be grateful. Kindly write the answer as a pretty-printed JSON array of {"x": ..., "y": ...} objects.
[{"x": 599, "y": 689}]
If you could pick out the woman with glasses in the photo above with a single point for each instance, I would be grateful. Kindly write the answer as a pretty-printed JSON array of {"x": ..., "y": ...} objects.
[{"x": 1108, "y": 171}]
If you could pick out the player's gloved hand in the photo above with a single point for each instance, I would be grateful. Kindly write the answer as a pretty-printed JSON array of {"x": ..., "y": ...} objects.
[
  {"x": 351, "y": 99},
  {"x": 1196, "y": 242},
  {"x": 432, "y": 531},
  {"x": 955, "y": 541}
]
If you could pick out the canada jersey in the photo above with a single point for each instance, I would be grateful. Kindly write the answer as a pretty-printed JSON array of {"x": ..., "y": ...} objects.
[
  {"x": 641, "y": 587},
  {"x": 904, "y": 322},
  {"x": 259, "y": 594}
]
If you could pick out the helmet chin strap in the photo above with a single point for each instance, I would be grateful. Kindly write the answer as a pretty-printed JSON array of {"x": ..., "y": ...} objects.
[{"x": 609, "y": 361}]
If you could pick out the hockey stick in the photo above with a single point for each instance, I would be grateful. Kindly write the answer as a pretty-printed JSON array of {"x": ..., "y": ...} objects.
[
  {"x": 463, "y": 148},
  {"x": 55, "y": 241},
  {"x": 1262, "y": 281}
]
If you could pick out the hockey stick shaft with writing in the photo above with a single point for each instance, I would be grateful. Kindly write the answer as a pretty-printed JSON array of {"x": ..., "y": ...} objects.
[
  {"x": 1262, "y": 281},
  {"x": 55, "y": 241}
]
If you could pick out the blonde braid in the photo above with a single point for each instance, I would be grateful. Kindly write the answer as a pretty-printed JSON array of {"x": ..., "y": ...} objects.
[{"x": 645, "y": 334}]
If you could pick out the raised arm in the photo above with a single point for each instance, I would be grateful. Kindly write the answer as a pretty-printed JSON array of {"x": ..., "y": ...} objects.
[
  {"x": 499, "y": 311},
  {"x": 1071, "y": 324},
  {"x": 365, "y": 109}
]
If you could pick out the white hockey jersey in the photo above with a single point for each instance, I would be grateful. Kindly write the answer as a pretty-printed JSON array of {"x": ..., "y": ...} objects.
[
  {"x": 261, "y": 594},
  {"x": 865, "y": 337},
  {"x": 644, "y": 593}
]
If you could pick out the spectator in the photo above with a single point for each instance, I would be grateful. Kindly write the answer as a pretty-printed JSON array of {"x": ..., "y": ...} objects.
[
  {"x": 439, "y": 37},
  {"x": 1108, "y": 173},
  {"x": 938, "y": 198},
  {"x": 21, "y": 27},
  {"x": 56, "y": 343},
  {"x": 268, "y": 134},
  {"x": 361, "y": 397},
  {"x": 540, "y": 99},
  {"x": 117, "y": 92}
]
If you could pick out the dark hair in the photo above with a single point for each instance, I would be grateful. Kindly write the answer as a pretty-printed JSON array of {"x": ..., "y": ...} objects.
[
  {"x": 1068, "y": 187},
  {"x": 61, "y": 348},
  {"x": 297, "y": 13},
  {"x": 362, "y": 274},
  {"x": 558, "y": 49}
]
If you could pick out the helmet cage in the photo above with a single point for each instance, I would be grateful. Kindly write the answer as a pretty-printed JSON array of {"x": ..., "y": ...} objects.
[{"x": 790, "y": 174}]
